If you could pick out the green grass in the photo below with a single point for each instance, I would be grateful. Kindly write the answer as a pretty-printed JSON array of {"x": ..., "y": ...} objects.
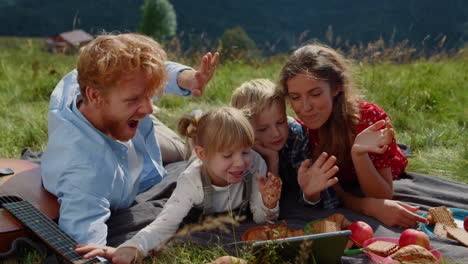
[
  {"x": 27, "y": 77},
  {"x": 426, "y": 101}
]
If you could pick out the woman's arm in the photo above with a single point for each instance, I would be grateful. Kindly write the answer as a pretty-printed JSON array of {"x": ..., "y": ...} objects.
[
  {"x": 377, "y": 183},
  {"x": 389, "y": 212}
]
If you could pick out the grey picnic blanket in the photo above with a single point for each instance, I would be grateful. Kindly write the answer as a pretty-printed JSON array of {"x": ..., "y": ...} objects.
[{"x": 415, "y": 189}]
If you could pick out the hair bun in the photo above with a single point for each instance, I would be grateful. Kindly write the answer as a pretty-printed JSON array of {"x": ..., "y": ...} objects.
[{"x": 192, "y": 128}]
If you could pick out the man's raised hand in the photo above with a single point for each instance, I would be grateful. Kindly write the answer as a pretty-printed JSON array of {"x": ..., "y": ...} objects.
[{"x": 196, "y": 81}]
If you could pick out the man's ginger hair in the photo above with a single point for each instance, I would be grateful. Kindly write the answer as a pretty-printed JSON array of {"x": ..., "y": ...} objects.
[{"x": 109, "y": 58}]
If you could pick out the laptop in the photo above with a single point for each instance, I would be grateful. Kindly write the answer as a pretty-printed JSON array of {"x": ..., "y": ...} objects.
[{"x": 326, "y": 248}]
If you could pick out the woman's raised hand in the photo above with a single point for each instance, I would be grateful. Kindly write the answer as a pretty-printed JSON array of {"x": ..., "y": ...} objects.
[
  {"x": 374, "y": 139},
  {"x": 270, "y": 190},
  {"x": 317, "y": 177}
]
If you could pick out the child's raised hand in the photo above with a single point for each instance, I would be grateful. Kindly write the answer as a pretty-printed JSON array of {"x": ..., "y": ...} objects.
[
  {"x": 374, "y": 139},
  {"x": 318, "y": 177},
  {"x": 270, "y": 190}
]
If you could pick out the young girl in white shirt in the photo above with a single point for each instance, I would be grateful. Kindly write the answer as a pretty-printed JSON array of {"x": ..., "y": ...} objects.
[{"x": 226, "y": 175}]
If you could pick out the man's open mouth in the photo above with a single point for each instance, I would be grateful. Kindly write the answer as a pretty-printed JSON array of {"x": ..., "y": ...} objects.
[{"x": 133, "y": 123}]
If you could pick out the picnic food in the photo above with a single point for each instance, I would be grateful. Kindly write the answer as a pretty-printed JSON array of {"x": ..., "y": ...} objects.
[
  {"x": 325, "y": 226},
  {"x": 382, "y": 248},
  {"x": 465, "y": 223},
  {"x": 267, "y": 232},
  {"x": 414, "y": 254},
  {"x": 414, "y": 237},
  {"x": 332, "y": 223},
  {"x": 439, "y": 229},
  {"x": 445, "y": 226},
  {"x": 441, "y": 215},
  {"x": 458, "y": 234},
  {"x": 361, "y": 231}
]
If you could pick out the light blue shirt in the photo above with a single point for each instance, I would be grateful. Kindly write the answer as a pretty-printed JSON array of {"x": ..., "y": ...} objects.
[{"x": 87, "y": 170}]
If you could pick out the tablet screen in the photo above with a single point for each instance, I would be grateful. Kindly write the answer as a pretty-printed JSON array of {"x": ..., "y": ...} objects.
[{"x": 316, "y": 248}]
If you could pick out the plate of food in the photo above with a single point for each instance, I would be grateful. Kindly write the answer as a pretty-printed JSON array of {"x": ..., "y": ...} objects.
[
  {"x": 269, "y": 232},
  {"x": 453, "y": 217},
  {"x": 388, "y": 250},
  {"x": 333, "y": 223}
]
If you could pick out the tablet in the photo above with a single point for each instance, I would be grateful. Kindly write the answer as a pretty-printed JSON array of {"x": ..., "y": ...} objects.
[{"x": 316, "y": 248}]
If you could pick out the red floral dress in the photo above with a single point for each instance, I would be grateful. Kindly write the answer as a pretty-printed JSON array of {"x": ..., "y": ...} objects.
[{"x": 393, "y": 158}]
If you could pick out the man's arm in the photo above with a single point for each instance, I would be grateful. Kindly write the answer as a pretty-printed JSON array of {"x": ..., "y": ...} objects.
[
  {"x": 184, "y": 80},
  {"x": 82, "y": 215}
]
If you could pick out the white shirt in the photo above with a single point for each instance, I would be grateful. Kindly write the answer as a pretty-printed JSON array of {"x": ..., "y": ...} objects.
[
  {"x": 189, "y": 193},
  {"x": 135, "y": 161}
]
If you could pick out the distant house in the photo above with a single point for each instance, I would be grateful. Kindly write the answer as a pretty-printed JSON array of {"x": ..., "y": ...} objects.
[{"x": 68, "y": 42}]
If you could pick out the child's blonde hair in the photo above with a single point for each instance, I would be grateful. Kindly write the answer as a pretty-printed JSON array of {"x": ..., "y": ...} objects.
[
  {"x": 218, "y": 130},
  {"x": 255, "y": 96},
  {"x": 105, "y": 60}
]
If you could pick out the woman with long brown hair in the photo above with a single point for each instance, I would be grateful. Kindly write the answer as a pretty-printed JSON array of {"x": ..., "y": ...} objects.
[{"x": 317, "y": 80}]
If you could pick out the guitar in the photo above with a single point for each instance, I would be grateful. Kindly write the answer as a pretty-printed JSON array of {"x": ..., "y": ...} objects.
[{"x": 27, "y": 207}]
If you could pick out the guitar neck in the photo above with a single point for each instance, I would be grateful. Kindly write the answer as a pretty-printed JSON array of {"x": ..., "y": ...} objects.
[{"x": 47, "y": 230}]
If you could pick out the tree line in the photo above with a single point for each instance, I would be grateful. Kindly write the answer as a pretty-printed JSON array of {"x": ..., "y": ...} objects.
[{"x": 274, "y": 25}]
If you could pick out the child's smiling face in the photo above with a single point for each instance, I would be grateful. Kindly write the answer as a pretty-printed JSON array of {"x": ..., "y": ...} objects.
[
  {"x": 271, "y": 126},
  {"x": 227, "y": 167}
]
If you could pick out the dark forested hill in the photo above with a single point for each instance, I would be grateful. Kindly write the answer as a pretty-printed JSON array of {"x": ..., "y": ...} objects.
[{"x": 279, "y": 22}]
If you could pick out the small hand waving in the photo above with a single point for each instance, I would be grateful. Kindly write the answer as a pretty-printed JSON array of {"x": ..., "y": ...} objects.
[
  {"x": 270, "y": 190},
  {"x": 319, "y": 176}
]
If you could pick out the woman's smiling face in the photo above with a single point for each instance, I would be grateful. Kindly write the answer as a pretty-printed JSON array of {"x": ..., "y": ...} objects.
[{"x": 311, "y": 99}]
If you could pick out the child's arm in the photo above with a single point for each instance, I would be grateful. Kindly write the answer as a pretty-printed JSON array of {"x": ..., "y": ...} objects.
[
  {"x": 260, "y": 209},
  {"x": 389, "y": 212},
  {"x": 188, "y": 192},
  {"x": 270, "y": 190},
  {"x": 317, "y": 177},
  {"x": 377, "y": 183}
]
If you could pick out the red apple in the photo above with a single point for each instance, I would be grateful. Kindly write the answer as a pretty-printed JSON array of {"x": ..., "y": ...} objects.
[
  {"x": 465, "y": 224},
  {"x": 414, "y": 237},
  {"x": 361, "y": 231}
]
